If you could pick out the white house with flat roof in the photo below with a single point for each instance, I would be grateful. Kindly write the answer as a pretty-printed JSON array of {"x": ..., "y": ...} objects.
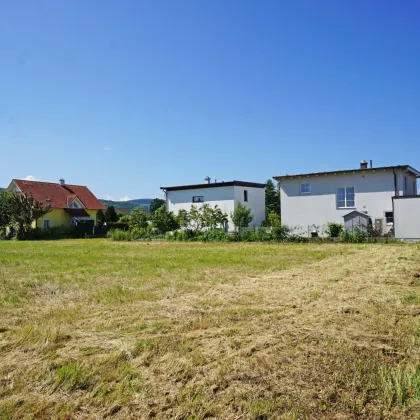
[
  {"x": 226, "y": 195},
  {"x": 309, "y": 201}
]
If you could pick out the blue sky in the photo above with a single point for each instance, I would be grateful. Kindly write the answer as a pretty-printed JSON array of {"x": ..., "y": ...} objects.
[{"x": 129, "y": 96}]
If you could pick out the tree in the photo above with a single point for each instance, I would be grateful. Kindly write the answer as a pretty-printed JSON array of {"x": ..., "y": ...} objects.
[
  {"x": 182, "y": 218},
  {"x": 138, "y": 219},
  {"x": 24, "y": 210},
  {"x": 241, "y": 216},
  {"x": 5, "y": 211},
  {"x": 195, "y": 219},
  {"x": 272, "y": 198},
  {"x": 100, "y": 218},
  {"x": 164, "y": 220},
  {"x": 111, "y": 214},
  {"x": 124, "y": 219},
  {"x": 156, "y": 204},
  {"x": 273, "y": 219},
  {"x": 212, "y": 217}
]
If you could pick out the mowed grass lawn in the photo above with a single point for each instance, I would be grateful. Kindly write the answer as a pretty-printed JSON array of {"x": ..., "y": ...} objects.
[{"x": 98, "y": 329}]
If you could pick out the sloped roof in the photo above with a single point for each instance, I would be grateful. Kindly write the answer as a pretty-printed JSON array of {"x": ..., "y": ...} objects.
[{"x": 58, "y": 196}]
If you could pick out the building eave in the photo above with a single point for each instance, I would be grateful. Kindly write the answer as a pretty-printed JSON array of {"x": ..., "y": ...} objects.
[
  {"x": 215, "y": 185},
  {"x": 409, "y": 168}
]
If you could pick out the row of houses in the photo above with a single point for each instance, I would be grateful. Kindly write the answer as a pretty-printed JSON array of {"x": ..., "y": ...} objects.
[{"x": 381, "y": 198}]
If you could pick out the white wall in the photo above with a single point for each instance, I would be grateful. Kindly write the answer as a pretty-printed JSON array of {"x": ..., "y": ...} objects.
[
  {"x": 256, "y": 202},
  {"x": 407, "y": 218},
  {"x": 224, "y": 197},
  {"x": 373, "y": 194}
]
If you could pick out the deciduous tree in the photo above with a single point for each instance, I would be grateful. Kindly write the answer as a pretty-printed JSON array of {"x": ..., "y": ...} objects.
[
  {"x": 24, "y": 210},
  {"x": 138, "y": 219},
  {"x": 241, "y": 216},
  {"x": 163, "y": 220}
]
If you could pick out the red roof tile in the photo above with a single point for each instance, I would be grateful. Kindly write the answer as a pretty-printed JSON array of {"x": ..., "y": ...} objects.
[{"x": 58, "y": 196}]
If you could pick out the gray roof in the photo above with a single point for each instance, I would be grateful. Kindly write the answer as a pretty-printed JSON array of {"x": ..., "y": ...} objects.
[{"x": 381, "y": 168}]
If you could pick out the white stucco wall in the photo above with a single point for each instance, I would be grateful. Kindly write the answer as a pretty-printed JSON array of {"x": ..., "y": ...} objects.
[
  {"x": 224, "y": 197},
  {"x": 407, "y": 218},
  {"x": 373, "y": 194},
  {"x": 256, "y": 202}
]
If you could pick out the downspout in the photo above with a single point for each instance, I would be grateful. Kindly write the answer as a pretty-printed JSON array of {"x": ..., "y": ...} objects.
[{"x": 395, "y": 182}]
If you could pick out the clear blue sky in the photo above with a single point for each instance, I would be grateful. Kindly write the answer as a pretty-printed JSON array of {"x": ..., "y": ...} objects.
[{"x": 127, "y": 96}]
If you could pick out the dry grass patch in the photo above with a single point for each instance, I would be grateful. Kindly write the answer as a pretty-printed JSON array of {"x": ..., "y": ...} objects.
[{"x": 95, "y": 329}]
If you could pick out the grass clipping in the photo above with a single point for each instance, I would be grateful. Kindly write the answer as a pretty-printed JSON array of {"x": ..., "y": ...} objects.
[{"x": 94, "y": 329}]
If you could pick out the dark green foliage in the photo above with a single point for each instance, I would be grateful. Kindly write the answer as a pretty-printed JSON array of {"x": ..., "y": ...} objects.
[
  {"x": 357, "y": 237},
  {"x": 272, "y": 198},
  {"x": 100, "y": 218},
  {"x": 111, "y": 215},
  {"x": 241, "y": 216},
  {"x": 163, "y": 220},
  {"x": 156, "y": 204},
  {"x": 334, "y": 230},
  {"x": 5, "y": 211}
]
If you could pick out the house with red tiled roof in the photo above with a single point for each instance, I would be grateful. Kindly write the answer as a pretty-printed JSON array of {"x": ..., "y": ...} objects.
[{"x": 70, "y": 204}]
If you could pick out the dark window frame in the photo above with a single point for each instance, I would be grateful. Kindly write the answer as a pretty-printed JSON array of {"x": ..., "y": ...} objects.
[
  {"x": 198, "y": 199},
  {"x": 389, "y": 219},
  {"x": 246, "y": 196}
]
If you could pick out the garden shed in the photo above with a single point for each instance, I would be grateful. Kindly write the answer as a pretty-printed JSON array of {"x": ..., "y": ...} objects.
[{"x": 356, "y": 221}]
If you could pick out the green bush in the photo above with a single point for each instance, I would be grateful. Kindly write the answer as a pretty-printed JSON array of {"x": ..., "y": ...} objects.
[
  {"x": 213, "y": 235},
  {"x": 334, "y": 230},
  {"x": 119, "y": 235},
  {"x": 357, "y": 237}
]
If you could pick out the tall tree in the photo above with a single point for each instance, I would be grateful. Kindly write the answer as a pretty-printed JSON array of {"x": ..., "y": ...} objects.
[
  {"x": 156, "y": 204},
  {"x": 241, "y": 216},
  {"x": 25, "y": 210},
  {"x": 272, "y": 198},
  {"x": 110, "y": 214}
]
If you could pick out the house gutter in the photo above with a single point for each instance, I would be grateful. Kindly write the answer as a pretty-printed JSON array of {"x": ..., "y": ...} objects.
[{"x": 395, "y": 182}]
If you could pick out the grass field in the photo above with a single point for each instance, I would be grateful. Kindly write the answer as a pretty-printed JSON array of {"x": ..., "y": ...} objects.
[{"x": 98, "y": 329}]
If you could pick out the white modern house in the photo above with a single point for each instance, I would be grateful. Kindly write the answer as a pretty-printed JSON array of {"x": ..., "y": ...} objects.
[
  {"x": 309, "y": 201},
  {"x": 226, "y": 195}
]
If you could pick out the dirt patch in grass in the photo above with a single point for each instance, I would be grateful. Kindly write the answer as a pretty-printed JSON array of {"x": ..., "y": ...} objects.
[{"x": 209, "y": 331}]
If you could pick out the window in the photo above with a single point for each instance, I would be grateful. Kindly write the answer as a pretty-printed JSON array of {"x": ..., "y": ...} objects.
[
  {"x": 305, "y": 188},
  {"x": 198, "y": 199},
  {"x": 245, "y": 195},
  {"x": 345, "y": 197},
  {"x": 405, "y": 183},
  {"x": 47, "y": 224},
  {"x": 389, "y": 216},
  {"x": 414, "y": 188},
  {"x": 73, "y": 205}
]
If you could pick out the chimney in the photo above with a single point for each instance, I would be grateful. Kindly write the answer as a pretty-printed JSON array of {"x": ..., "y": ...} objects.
[
  {"x": 62, "y": 182},
  {"x": 207, "y": 180},
  {"x": 371, "y": 164},
  {"x": 363, "y": 164}
]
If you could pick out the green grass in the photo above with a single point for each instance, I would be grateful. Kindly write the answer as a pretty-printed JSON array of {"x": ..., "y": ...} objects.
[{"x": 94, "y": 328}]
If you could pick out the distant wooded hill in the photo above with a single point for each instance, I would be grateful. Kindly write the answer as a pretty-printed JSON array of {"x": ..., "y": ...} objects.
[
  {"x": 126, "y": 207},
  {"x": 1, "y": 189}
]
